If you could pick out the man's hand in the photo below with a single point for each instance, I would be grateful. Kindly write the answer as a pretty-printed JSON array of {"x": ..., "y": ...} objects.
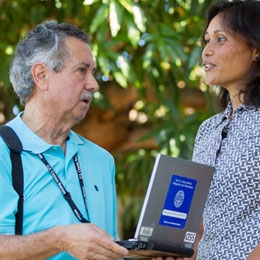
[{"x": 87, "y": 241}]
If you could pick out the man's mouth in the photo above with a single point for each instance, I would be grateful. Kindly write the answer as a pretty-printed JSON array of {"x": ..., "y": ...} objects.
[
  {"x": 86, "y": 98},
  {"x": 87, "y": 101}
]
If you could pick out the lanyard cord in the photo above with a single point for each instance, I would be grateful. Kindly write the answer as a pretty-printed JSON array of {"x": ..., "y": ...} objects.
[{"x": 63, "y": 190}]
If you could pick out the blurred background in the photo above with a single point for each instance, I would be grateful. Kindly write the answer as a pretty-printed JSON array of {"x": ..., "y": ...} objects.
[{"x": 152, "y": 95}]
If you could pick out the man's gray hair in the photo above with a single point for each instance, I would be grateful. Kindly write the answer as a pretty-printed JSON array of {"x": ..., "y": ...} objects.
[{"x": 44, "y": 44}]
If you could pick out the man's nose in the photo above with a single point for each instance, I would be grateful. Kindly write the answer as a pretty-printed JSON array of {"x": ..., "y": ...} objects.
[{"x": 92, "y": 84}]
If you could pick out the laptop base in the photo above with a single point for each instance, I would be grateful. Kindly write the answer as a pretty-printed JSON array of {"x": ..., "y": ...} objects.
[{"x": 142, "y": 249}]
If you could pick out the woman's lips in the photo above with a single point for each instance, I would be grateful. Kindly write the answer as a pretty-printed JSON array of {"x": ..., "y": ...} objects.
[{"x": 208, "y": 66}]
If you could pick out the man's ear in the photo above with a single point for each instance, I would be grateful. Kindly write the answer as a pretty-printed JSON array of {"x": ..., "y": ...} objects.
[{"x": 39, "y": 73}]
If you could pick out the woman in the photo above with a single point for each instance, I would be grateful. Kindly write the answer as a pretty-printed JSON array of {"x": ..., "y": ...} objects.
[{"x": 230, "y": 140}]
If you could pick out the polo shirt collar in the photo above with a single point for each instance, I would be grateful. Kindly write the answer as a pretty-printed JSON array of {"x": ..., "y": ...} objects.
[{"x": 34, "y": 143}]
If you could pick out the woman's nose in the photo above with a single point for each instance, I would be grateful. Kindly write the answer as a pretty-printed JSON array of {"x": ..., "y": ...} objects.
[{"x": 207, "y": 50}]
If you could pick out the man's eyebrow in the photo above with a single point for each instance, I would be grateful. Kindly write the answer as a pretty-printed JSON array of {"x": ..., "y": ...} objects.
[{"x": 85, "y": 64}]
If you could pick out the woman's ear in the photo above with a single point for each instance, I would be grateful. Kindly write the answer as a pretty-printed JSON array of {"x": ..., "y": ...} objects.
[
  {"x": 256, "y": 55},
  {"x": 39, "y": 73}
]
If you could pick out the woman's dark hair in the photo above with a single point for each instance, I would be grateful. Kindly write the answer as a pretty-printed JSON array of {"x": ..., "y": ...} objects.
[{"x": 243, "y": 18}]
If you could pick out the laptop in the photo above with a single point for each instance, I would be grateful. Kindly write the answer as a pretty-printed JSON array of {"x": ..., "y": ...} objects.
[{"x": 172, "y": 209}]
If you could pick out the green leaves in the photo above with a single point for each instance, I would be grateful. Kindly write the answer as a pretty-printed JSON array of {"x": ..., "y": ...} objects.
[
  {"x": 99, "y": 18},
  {"x": 152, "y": 46},
  {"x": 115, "y": 17}
]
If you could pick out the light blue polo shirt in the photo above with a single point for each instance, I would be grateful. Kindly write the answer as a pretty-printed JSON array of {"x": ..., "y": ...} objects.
[{"x": 44, "y": 205}]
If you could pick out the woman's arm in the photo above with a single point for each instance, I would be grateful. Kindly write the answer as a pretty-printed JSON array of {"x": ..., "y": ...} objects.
[
  {"x": 255, "y": 254},
  {"x": 199, "y": 235}
]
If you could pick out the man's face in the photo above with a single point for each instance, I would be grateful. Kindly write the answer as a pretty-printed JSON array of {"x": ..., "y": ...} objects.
[{"x": 70, "y": 91}]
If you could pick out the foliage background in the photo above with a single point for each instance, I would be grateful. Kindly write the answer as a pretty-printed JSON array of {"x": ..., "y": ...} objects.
[{"x": 152, "y": 46}]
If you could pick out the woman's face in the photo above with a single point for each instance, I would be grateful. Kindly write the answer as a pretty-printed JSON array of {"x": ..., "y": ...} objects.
[{"x": 227, "y": 57}]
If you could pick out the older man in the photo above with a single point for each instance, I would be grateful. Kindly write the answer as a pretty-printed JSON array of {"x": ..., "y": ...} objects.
[{"x": 52, "y": 74}]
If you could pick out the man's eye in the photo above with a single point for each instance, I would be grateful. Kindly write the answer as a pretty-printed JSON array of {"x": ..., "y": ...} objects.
[{"x": 82, "y": 70}]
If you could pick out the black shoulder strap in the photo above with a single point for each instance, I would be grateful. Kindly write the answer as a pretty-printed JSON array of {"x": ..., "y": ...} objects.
[{"x": 15, "y": 146}]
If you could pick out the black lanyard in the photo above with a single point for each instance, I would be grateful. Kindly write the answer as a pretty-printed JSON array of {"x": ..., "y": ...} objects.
[{"x": 65, "y": 193}]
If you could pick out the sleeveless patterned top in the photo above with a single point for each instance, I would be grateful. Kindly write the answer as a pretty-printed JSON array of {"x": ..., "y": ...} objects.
[{"x": 232, "y": 213}]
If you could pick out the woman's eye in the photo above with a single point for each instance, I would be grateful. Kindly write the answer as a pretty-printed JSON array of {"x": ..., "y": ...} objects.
[
  {"x": 221, "y": 39},
  {"x": 206, "y": 41}
]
